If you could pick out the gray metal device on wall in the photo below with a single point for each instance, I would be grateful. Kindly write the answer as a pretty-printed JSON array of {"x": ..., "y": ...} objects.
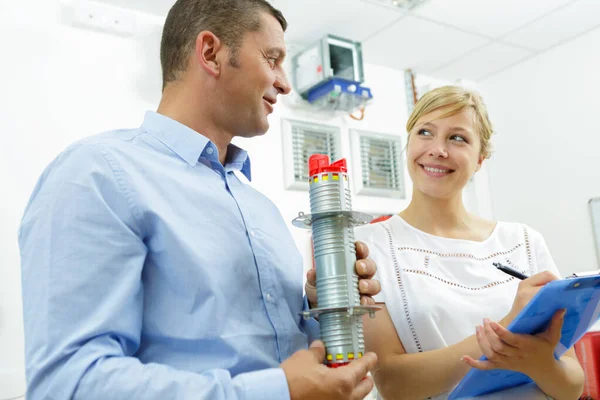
[{"x": 330, "y": 57}]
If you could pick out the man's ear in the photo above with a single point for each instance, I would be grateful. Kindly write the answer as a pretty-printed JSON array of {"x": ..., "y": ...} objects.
[{"x": 206, "y": 52}]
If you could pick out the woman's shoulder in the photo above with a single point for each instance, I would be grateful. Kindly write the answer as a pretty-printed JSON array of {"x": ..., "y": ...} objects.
[
  {"x": 373, "y": 232},
  {"x": 382, "y": 228},
  {"x": 382, "y": 235},
  {"x": 517, "y": 228}
]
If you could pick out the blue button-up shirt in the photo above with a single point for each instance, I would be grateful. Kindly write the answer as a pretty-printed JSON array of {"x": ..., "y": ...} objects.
[{"x": 151, "y": 271}]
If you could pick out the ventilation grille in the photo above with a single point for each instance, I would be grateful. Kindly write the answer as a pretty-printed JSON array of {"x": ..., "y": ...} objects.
[
  {"x": 382, "y": 171},
  {"x": 309, "y": 140},
  {"x": 306, "y": 139}
]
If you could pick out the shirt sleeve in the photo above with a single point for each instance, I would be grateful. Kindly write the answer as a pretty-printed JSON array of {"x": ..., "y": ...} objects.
[
  {"x": 82, "y": 244},
  {"x": 543, "y": 258}
]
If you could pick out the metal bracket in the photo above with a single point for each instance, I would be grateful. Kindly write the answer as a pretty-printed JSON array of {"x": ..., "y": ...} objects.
[
  {"x": 355, "y": 218},
  {"x": 352, "y": 311}
]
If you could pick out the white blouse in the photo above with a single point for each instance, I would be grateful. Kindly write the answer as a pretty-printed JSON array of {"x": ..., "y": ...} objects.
[{"x": 438, "y": 289}]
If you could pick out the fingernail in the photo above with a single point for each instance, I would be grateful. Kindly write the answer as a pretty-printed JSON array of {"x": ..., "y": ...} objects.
[
  {"x": 363, "y": 267},
  {"x": 364, "y": 285},
  {"x": 486, "y": 321},
  {"x": 463, "y": 359}
]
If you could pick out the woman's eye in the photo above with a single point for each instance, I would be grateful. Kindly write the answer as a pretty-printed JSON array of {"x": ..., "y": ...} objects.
[
  {"x": 458, "y": 138},
  {"x": 424, "y": 132}
]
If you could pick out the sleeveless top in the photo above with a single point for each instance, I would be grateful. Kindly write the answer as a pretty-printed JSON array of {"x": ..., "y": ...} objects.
[{"x": 438, "y": 289}]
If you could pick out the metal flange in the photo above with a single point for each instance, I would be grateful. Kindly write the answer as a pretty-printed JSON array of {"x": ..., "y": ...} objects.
[
  {"x": 356, "y": 310},
  {"x": 306, "y": 220}
]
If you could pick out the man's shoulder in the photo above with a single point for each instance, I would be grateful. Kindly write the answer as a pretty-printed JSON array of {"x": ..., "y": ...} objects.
[
  {"x": 108, "y": 140},
  {"x": 94, "y": 155},
  {"x": 98, "y": 147}
]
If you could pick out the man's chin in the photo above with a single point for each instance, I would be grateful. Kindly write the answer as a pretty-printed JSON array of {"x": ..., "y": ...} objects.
[
  {"x": 250, "y": 135},
  {"x": 258, "y": 131}
]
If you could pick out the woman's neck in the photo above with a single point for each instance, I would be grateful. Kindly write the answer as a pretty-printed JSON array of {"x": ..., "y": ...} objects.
[{"x": 441, "y": 217}]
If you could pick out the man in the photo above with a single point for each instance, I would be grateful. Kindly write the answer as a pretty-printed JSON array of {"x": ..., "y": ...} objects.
[{"x": 150, "y": 271}]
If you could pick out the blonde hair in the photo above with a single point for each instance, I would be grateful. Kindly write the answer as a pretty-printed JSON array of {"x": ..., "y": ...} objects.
[{"x": 455, "y": 99}]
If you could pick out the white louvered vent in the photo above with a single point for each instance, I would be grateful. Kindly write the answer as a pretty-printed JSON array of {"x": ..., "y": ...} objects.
[
  {"x": 301, "y": 140},
  {"x": 381, "y": 167}
]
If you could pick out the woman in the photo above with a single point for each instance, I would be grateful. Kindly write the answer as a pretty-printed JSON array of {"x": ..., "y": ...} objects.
[{"x": 444, "y": 303}]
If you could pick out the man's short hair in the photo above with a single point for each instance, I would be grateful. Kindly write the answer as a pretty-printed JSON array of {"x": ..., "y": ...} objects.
[{"x": 229, "y": 20}]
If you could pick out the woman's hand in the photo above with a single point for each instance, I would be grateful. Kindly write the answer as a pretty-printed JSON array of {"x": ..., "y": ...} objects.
[
  {"x": 527, "y": 289},
  {"x": 365, "y": 269},
  {"x": 521, "y": 353}
]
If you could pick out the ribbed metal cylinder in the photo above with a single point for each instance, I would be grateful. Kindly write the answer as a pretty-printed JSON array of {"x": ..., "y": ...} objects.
[
  {"x": 342, "y": 334},
  {"x": 330, "y": 195},
  {"x": 335, "y": 257}
]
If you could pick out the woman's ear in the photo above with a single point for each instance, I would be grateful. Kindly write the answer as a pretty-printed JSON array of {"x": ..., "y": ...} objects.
[
  {"x": 206, "y": 52},
  {"x": 479, "y": 163}
]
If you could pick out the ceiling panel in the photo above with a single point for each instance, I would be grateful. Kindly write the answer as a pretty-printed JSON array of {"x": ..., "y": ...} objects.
[
  {"x": 418, "y": 44},
  {"x": 309, "y": 20},
  {"x": 483, "y": 62},
  {"x": 447, "y": 39},
  {"x": 492, "y": 18},
  {"x": 564, "y": 24},
  {"x": 159, "y": 8}
]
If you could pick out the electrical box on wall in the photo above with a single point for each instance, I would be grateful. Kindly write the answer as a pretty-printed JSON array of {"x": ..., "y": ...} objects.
[{"x": 329, "y": 74}]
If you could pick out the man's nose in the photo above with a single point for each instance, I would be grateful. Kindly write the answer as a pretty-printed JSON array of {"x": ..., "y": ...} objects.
[{"x": 282, "y": 84}]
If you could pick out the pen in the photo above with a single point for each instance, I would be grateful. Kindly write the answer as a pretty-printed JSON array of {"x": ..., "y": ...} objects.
[{"x": 510, "y": 271}]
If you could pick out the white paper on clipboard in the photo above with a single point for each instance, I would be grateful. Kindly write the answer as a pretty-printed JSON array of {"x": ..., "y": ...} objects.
[{"x": 594, "y": 205}]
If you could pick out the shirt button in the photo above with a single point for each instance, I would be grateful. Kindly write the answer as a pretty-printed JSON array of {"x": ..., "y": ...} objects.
[
  {"x": 210, "y": 150},
  {"x": 252, "y": 233},
  {"x": 268, "y": 297}
]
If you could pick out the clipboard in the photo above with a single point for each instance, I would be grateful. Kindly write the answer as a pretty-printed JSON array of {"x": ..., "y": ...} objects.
[{"x": 580, "y": 295}]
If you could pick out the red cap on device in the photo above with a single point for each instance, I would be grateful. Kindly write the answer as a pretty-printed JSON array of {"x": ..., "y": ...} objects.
[{"x": 318, "y": 163}]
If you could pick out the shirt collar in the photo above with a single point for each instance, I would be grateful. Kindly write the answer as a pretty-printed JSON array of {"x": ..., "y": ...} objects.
[
  {"x": 238, "y": 159},
  {"x": 191, "y": 145}
]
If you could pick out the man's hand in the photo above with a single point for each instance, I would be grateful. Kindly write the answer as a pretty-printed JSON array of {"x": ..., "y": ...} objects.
[
  {"x": 365, "y": 269},
  {"x": 308, "y": 378}
]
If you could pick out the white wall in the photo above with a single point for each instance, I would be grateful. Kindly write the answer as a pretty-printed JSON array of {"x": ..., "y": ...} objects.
[
  {"x": 546, "y": 165},
  {"x": 58, "y": 84},
  {"x": 62, "y": 83}
]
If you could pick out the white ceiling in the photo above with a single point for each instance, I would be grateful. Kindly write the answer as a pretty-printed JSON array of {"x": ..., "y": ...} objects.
[{"x": 445, "y": 39}]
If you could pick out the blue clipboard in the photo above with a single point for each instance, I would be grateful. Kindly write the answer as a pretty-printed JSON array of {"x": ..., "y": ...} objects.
[{"x": 579, "y": 295}]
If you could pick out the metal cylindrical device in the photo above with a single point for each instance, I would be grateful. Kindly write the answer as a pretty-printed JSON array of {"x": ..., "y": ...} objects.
[{"x": 332, "y": 221}]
